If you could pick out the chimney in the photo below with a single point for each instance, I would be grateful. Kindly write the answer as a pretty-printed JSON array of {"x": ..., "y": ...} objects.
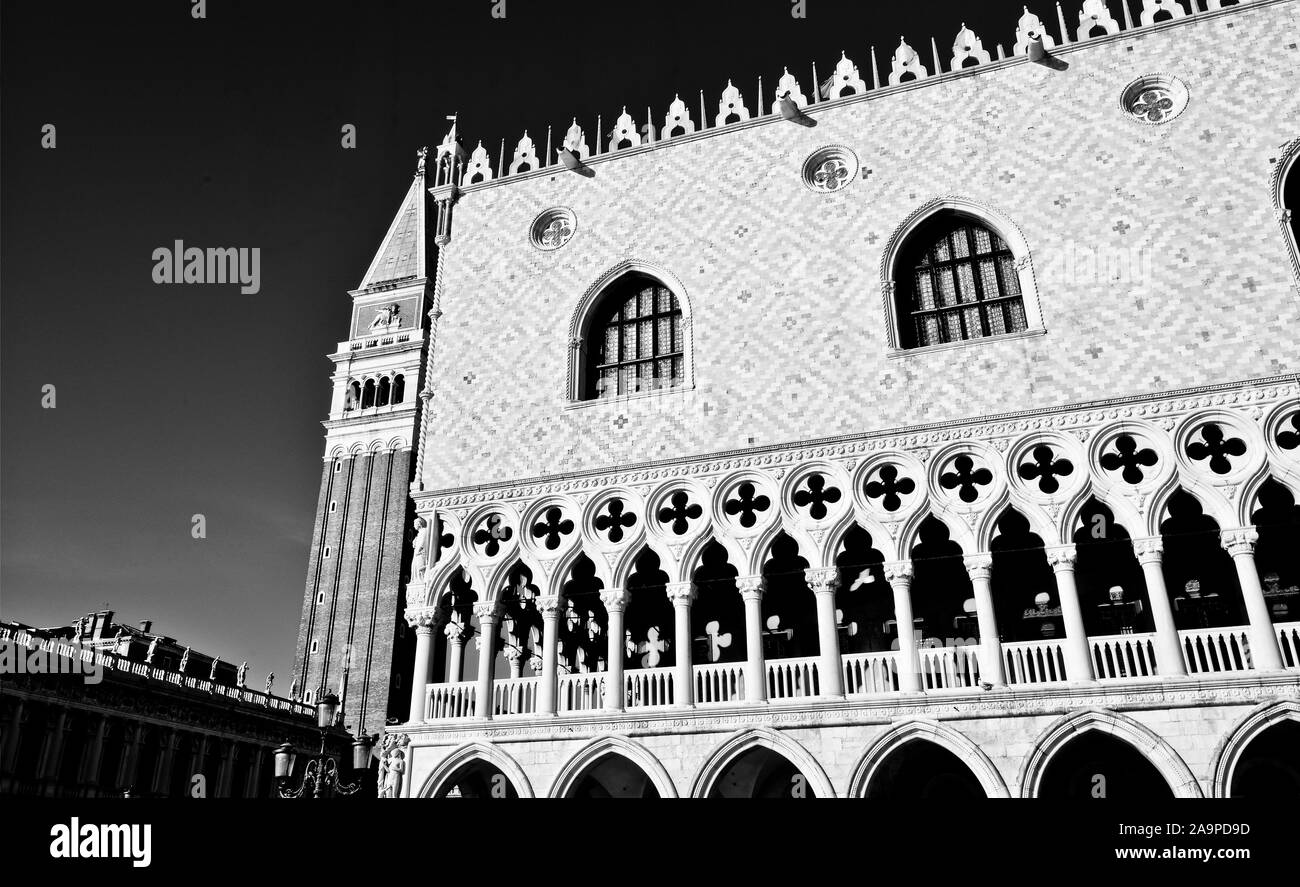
[{"x": 145, "y": 625}]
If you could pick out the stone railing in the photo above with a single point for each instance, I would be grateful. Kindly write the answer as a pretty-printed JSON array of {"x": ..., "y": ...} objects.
[
  {"x": 1121, "y": 657},
  {"x": 113, "y": 662},
  {"x": 645, "y": 687},
  {"x": 1034, "y": 662},
  {"x": 719, "y": 682},
  {"x": 456, "y": 700},
  {"x": 793, "y": 678},
  {"x": 514, "y": 696},
  {"x": 1216, "y": 650},
  {"x": 949, "y": 668}
]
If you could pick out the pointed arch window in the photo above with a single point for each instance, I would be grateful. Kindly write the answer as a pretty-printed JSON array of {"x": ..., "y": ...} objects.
[
  {"x": 957, "y": 280},
  {"x": 635, "y": 341}
]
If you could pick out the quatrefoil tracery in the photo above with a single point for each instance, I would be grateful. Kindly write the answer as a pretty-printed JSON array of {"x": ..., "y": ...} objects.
[
  {"x": 816, "y": 495},
  {"x": 1129, "y": 458},
  {"x": 679, "y": 512},
  {"x": 614, "y": 519},
  {"x": 552, "y": 527},
  {"x": 1046, "y": 468},
  {"x": 492, "y": 534},
  {"x": 748, "y": 504},
  {"x": 1216, "y": 448},
  {"x": 965, "y": 478},
  {"x": 890, "y": 488}
]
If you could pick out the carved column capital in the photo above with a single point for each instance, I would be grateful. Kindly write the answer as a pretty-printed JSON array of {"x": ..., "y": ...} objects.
[
  {"x": 548, "y": 605},
  {"x": 898, "y": 571},
  {"x": 1150, "y": 550},
  {"x": 614, "y": 599},
  {"x": 422, "y": 619},
  {"x": 454, "y": 631},
  {"x": 822, "y": 580},
  {"x": 680, "y": 593},
  {"x": 979, "y": 566},
  {"x": 1239, "y": 540},
  {"x": 487, "y": 610},
  {"x": 751, "y": 587},
  {"x": 1062, "y": 558}
]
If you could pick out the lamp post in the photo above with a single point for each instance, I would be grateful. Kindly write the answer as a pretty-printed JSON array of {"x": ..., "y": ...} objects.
[{"x": 321, "y": 777}]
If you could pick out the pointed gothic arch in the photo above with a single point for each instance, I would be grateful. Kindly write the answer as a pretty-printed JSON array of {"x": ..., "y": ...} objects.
[
  {"x": 1159, "y": 753},
  {"x": 1008, "y": 250},
  {"x": 590, "y": 311},
  {"x": 465, "y": 756},
  {"x": 570, "y": 775},
  {"x": 1233, "y": 747},
  {"x": 934, "y": 732},
  {"x": 736, "y": 745}
]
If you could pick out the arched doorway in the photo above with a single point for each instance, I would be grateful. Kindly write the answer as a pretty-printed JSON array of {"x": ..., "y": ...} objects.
[
  {"x": 761, "y": 773},
  {"x": 1098, "y": 765},
  {"x": 477, "y": 779},
  {"x": 920, "y": 769},
  {"x": 1269, "y": 766},
  {"x": 612, "y": 776}
]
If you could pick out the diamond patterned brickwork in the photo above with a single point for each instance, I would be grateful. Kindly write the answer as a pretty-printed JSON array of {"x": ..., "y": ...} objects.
[{"x": 752, "y": 247}]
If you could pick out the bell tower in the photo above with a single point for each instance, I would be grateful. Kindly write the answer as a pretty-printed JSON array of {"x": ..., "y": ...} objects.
[{"x": 352, "y": 639}]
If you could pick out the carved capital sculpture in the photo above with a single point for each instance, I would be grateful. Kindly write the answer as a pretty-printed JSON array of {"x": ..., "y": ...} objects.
[
  {"x": 822, "y": 580},
  {"x": 979, "y": 566},
  {"x": 1239, "y": 541}
]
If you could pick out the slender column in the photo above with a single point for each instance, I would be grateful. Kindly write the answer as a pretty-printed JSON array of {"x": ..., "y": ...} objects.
[
  {"x": 225, "y": 766},
  {"x": 455, "y": 632},
  {"x": 11, "y": 738},
  {"x": 162, "y": 784},
  {"x": 1169, "y": 650},
  {"x": 130, "y": 758},
  {"x": 1078, "y": 658},
  {"x": 899, "y": 577},
  {"x": 1265, "y": 654},
  {"x": 751, "y": 591},
  {"x": 487, "y": 654},
  {"x": 255, "y": 773},
  {"x": 823, "y": 583},
  {"x": 549, "y": 606},
  {"x": 54, "y": 747},
  {"x": 682, "y": 594},
  {"x": 422, "y": 620},
  {"x": 992, "y": 669},
  {"x": 615, "y": 601}
]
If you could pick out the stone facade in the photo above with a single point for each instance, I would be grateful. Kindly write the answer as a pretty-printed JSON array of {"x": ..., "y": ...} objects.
[{"x": 1149, "y": 385}]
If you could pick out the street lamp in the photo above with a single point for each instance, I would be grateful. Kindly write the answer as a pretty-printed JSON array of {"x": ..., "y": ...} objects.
[{"x": 321, "y": 777}]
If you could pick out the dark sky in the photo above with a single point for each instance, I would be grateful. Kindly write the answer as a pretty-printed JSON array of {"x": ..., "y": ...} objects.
[{"x": 225, "y": 132}]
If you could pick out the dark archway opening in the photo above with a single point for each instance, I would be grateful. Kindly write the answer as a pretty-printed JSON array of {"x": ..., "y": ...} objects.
[
  {"x": 477, "y": 779},
  {"x": 1112, "y": 589},
  {"x": 1269, "y": 766},
  {"x": 1199, "y": 574},
  {"x": 789, "y": 607},
  {"x": 761, "y": 773},
  {"x": 718, "y": 613},
  {"x": 923, "y": 770},
  {"x": 1097, "y": 765},
  {"x": 583, "y": 627},
  {"x": 648, "y": 618},
  {"x": 943, "y": 600},
  {"x": 863, "y": 600},
  {"x": 612, "y": 776},
  {"x": 1024, "y": 586}
]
